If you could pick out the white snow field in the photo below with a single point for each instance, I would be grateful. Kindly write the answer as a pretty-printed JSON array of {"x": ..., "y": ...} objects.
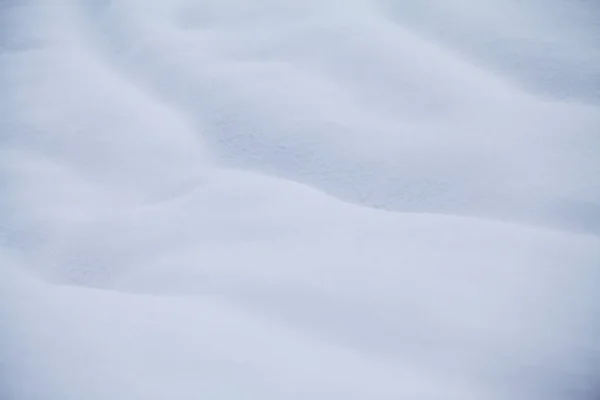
[{"x": 299, "y": 199}]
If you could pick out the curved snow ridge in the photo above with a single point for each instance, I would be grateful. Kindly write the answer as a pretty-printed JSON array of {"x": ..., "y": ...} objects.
[
  {"x": 146, "y": 347},
  {"x": 360, "y": 108},
  {"x": 120, "y": 116},
  {"x": 64, "y": 103},
  {"x": 513, "y": 305},
  {"x": 551, "y": 47}
]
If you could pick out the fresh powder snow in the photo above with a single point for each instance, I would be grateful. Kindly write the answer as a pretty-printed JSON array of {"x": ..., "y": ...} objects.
[{"x": 286, "y": 199}]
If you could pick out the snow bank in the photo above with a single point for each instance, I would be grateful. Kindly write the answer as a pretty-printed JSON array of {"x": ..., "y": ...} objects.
[{"x": 216, "y": 199}]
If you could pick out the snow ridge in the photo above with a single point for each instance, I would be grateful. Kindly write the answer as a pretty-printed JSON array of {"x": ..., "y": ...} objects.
[{"x": 318, "y": 199}]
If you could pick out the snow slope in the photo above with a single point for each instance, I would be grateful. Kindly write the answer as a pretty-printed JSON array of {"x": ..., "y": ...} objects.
[{"x": 286, "y": 200}]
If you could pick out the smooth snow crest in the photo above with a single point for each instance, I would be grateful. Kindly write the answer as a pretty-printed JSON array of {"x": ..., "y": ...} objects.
[{"x": 359, "y": 199}]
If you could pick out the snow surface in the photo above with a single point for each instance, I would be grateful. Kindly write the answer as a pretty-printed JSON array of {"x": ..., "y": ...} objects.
[{"x": 277, "y": 199}]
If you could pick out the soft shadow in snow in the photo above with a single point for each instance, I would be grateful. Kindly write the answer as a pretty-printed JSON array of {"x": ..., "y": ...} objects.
[
  {"x": 367, "y": 109},
  {"x": 219, "y": 199}
]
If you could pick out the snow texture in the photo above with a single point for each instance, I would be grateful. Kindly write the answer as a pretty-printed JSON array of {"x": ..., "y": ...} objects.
[{"x": 285, "y": 199}]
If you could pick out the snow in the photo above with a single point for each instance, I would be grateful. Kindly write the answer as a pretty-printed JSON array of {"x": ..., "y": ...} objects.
[{"x": 287, "y": 200}]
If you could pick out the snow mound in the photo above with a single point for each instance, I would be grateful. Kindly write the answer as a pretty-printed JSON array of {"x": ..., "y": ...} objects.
[{"x": 286, "y": 200}]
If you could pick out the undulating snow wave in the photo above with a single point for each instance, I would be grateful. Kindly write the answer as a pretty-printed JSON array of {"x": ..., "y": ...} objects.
[{"x": 281, "y": 199}]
